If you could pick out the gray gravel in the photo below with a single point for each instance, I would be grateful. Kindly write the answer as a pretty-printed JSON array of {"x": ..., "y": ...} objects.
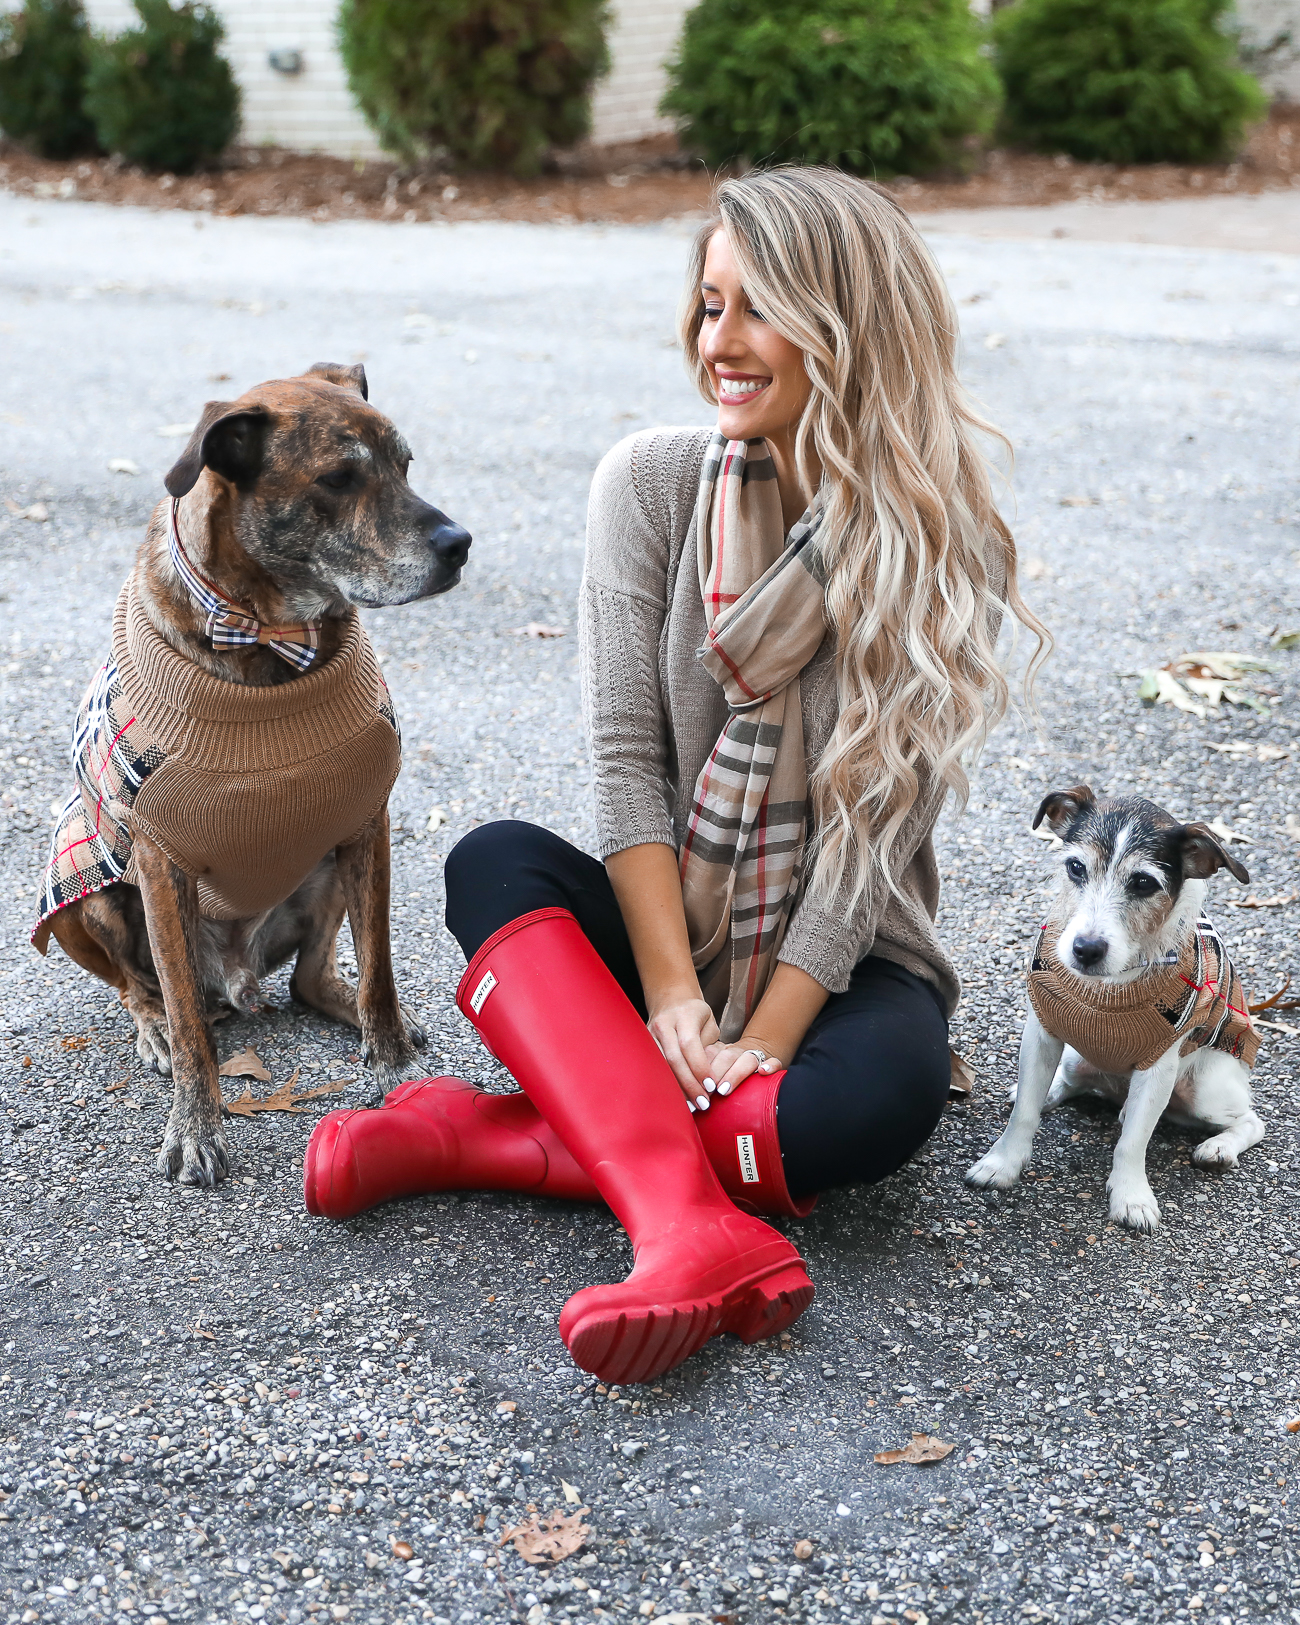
[{"x": 217, "y": 1408}]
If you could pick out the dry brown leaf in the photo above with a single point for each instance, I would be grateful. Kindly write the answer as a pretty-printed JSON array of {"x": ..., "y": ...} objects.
[
  {"x": 1275, "y": 1001},
  {"x": 538, "y": 629},
  {"x": 572, "y": 1494},
  {"x": 1278, "y": 901},
  {"x": 83, "y": 1042},
  {"x": 1216, "y": 826},
  {"x": 247, "y": 1064},
  {"x": 109, "y": 1087},
  {"x": 547, "y": 1537},
  {"x": 284, "y": 1099},
  {"x": 921, "y": 1449},
  {"x": 961, "y": 1080}
]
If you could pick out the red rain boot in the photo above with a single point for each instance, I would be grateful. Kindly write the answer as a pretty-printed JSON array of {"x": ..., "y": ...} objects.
[
  {"x": 442, "y": 1134},
  {"x": 549, "y": 1009}
]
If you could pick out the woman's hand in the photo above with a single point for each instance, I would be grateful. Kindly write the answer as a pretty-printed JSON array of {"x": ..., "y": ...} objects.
[
  {"x": 684, "y": 1029},
  {"x": 731, "y": 1064}
]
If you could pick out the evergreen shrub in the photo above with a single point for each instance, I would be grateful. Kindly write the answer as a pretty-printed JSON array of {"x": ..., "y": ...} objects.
[
  {"x": 162, "y": 95},
  {"x": 872, "y": 86},
  {"x": 44, "y": 55},
  {"x": 485, "y": 84},
  {"x": 1124, "y": 81}
]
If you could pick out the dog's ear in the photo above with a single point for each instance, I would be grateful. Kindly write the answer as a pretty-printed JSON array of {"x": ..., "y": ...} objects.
[
  {"x": 227, "y": 439},
  {"x": 1202, "y": 853},
  {"x": 1063, "y": 806},
  {"x": 344, "y": 377}
]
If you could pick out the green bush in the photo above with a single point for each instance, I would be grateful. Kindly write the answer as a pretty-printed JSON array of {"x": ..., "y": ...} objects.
[
  {"x": 488, "y": 84},
  {"x": 162, "y": 95},
  {"x": 1124, "y": 81},
  {"x": 44, "y": 55},
  {"x": 873, "y": 86}
]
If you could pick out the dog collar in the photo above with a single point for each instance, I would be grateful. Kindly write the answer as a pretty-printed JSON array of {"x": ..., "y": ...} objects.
[{"x": 229, "y": 626}]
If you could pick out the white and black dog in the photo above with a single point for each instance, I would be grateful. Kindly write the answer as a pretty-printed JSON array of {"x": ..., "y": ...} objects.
[{"x": 1132, "y": 997}]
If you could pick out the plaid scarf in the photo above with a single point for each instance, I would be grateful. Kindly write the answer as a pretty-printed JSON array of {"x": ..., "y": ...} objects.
[
  {"x": 230, "y": 627},
  {"x": 741, "y": 859},
  {"x": 1127, "y": 1026}
]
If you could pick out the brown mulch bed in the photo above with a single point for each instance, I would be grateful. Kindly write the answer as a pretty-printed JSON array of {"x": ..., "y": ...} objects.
[{"x": 633, "y": 184}]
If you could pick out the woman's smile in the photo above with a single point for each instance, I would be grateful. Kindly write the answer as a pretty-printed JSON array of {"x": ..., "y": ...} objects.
[{"x": 739, "y": 388}]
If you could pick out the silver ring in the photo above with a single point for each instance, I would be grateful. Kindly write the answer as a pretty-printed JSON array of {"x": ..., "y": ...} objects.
[{"x": 761, "y": 1054}]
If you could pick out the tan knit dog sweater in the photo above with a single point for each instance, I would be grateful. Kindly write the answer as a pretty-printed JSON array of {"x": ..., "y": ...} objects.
[
  {"x": 1127, "y": 1027},
  {"x": 246, "y": 789}
]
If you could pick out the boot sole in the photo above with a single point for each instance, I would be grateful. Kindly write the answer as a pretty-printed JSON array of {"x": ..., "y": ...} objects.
[{"x": 636, "y": 1346}]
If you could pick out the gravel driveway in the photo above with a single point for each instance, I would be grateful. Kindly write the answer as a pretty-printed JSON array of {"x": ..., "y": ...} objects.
[{"x": 217, "y": 1408}]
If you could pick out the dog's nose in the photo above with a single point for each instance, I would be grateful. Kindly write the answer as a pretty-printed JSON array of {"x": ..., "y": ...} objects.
[
  {"x": 1089, "y": 951},
  {"x": 451, "y": 543}
]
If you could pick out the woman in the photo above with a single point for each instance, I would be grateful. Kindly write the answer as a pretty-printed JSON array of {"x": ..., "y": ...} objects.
[{"x": 788, "y": 629}]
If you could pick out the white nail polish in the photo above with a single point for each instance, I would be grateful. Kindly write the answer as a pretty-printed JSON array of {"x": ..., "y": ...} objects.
[
  {"x": 710, "y": 1085},
  {"x": 690, "y": 1105},
  {"x": 702, "y": 1101},
  {"x": 724, "y": 1088}
]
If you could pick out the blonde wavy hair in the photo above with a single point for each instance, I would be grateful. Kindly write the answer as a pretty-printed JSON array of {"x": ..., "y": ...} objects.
[{"x": 920, "y": 565}]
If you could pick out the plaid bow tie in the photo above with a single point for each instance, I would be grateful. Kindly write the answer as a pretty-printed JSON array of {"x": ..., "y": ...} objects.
[{"x": 230, "y": 627}]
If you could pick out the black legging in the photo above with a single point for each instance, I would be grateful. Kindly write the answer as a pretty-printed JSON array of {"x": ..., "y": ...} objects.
[{"x": 866, "y": 1086}]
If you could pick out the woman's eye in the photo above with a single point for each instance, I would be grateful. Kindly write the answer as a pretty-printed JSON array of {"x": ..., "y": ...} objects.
[
  {"x": 712, "y": 312},
  {"x": 339, "y": 480},
  {"x": 1075, "y": 870},
  {"x": 757, "y": 314}
]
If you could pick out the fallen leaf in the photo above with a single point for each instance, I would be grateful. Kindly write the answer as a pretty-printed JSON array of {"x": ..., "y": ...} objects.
[
  {"x": 37, "y": 511},
  {"x": 1275, "y": 1001},
  {"x": 1020, "y": 763},
  {"x": 921, "y": 1448},
  {"x": 437, "y": 818},
  {"x": 1231, "y": 747},
  {"x": 109, "y": 1087},
  {"x": 547, "y": 1537},
  {"x": 83, "y": 1042},
  {"x": 1217, "y": 827},
  {"x": 961, "y": 1080},
  {"x": 122, "y": 465},
  {"x": 1160, "y": 687},
  {"x": 1078, "y": 502},
  {"x": 1279, "y": 901},
  {"x": 402, "y": 1549},
  {"x": 537, "y": 629},
  {"x": 572, "y": 1494},
  {"x": 1271, "y": 753},
  {"x": 284, "y": 1099},
  {"x": 1285, "y": 640},
  {"x": 247, "y": 1064},
  {"x": 1279, "y": 1027}
]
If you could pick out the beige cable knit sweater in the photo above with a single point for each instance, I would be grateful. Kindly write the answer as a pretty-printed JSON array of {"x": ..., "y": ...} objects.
[{"x": 653, "y": 714}]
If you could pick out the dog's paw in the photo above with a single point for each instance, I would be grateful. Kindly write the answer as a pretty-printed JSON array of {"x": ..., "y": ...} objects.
[
  {"x": 1135, "y": 1207},
  {"x": 194, "y": 1153},
  {"x": 153, "y": 1045},
  {"x": 994, "y": 1171},
  {"x": 1218, "y": 1152},
  {"x": 415, "y": 1031}
]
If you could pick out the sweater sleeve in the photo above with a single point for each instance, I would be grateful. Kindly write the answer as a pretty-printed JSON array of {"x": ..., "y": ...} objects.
[
  {"x": 826, "y": 937},
  {"x": 621, "y": 612}
]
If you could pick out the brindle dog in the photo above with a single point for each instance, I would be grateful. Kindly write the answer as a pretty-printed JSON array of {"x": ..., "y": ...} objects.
[{"x": 298, "y": 492}]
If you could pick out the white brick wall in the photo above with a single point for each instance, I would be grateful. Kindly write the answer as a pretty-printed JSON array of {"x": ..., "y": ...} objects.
[
  {"x": 313, "y": 110},
  {"x": 641, "y": 40}
]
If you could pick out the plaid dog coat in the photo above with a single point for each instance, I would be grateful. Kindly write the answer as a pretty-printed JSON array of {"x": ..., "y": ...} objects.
[
  {"x": 246, "y": 789},
  {"x": 1128, "y": 1027}
]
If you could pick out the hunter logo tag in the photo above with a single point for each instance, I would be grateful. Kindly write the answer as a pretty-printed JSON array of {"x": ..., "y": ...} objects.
[
  {"x": 478, "y": 997},
  {"x": 748, "y": 1161}
]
